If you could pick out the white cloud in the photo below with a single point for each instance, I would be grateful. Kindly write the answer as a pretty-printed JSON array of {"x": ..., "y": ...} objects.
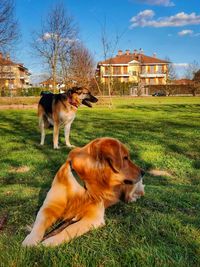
[
  {"x": 47, "y": 36},
  {"x": 188, "y": 33},
  {"x": 145, "y": 19},
  {"x": 185, "y": 32},
  {"x": 158, "y": 2},
  {"x": 180, "y": 65},
  {"x": 141, "y": 18}
]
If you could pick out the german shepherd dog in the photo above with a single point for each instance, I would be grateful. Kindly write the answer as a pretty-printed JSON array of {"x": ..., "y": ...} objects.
[
  {"x": 105, "y": 167},
  {"x": 60, "y": 109}
]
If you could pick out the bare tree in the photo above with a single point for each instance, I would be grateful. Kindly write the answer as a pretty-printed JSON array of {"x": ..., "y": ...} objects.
[
  {"x": 55, "y": 39},
  {"x": 191, "y": 69},
  {"x": 82, "y": 65},
  {"x": 109, "y": 47},
  {"x": 171, "y": 74},
  {"x": 9, "y": 30}
]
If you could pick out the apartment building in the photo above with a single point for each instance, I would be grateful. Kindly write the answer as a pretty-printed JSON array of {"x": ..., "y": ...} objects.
[
  {"x": 133, "y": 67},
  {"x": 12, "y": 75}
]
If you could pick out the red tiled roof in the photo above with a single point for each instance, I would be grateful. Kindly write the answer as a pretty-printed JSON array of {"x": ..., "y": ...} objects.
[
  {"x": 48, "y": 82},
  {"x": 125, "y": 59},
  {"x": 8, "y": 62},
  {"x": 4, "y": 61}
]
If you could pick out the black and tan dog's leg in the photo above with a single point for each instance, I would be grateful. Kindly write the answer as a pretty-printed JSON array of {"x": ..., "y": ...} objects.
[
  {"x": 67, "y": 128},
  {"x": 42, "y": 129},
  {"x": 55, "y": 134}
]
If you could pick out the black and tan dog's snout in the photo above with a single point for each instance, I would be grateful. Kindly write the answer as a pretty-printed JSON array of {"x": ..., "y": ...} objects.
[{"x": 93, "y": 99}]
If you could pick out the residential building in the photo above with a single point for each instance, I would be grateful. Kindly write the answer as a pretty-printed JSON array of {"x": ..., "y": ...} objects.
[
  {"x": 133, "y": 67},
  {"x": 48, "y": 84},
  {"x": 12, "y": 75}
]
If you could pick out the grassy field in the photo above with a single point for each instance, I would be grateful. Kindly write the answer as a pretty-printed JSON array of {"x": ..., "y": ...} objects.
[{"x": 161, "y": 229}]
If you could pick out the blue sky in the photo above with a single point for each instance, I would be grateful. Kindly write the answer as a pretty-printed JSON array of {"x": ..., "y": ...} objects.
[{"x": 171, "y": 28}]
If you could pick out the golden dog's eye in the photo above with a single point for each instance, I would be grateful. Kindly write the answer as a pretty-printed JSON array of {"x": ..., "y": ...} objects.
[{"x": 126, "y": 158}]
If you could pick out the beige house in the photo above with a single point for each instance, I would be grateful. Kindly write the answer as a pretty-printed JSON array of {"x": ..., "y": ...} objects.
[
  {"x": 48, "y": 84},
  {"x": 12, "y": 75},
  {"x": 133, "y": 67}
]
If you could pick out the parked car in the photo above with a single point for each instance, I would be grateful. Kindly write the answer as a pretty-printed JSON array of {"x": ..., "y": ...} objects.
[{"x": 159, "y": 94}]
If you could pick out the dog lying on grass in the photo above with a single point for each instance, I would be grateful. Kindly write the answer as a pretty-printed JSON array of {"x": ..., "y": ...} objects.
[
  {"x": 109, "y": 175},
  {"x": 60, "y": 109}
]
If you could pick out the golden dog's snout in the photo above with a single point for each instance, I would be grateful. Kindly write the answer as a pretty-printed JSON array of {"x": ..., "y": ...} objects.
[{"x": 135, "y": 181}]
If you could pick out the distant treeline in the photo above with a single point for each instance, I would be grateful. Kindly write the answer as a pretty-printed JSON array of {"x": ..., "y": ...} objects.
[
  {"x": 118, "y": 89},
  {"x": 175, "y": 89}
]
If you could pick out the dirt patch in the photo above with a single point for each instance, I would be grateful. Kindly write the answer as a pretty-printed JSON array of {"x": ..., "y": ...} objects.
[
  {"x": 20, "y": 106},
  {"x": 3, "y": 221},
  {"x": 21, "y": 169},
  {"x": 156, "y": 172}
]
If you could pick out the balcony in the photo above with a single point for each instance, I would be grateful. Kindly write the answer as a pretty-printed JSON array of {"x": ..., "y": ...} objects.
[
  {"x": 107, "y": 74},
  {"x": 7, "y": 75},
  {"x": 152, "y": 75}
]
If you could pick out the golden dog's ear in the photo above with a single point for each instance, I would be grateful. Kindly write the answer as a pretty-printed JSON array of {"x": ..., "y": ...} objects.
[{"x": 108, "y": 150}]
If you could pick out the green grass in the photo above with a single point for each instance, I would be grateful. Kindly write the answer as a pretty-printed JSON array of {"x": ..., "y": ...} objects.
[{"x": 161, "y": 229}]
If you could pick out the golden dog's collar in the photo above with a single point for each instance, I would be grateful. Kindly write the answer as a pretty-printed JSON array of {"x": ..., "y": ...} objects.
[{"x": 76, "y": 176}]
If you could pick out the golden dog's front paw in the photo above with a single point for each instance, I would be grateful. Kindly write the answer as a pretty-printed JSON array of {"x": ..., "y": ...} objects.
[
  {"x": 131, "y": 199},
  {"x": 51, "y": 242},
  {"x": 31, "y": 241}
]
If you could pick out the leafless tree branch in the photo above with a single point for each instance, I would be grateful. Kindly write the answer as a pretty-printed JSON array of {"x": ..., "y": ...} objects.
[
  {"x": 55, "y": 39},
  {"x": 9, "y": 29}
]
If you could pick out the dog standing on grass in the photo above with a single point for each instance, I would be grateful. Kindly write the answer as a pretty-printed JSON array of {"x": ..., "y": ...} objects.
[
  {"x": 60, "y": 109},
  {"x": 109, "y": 175}
]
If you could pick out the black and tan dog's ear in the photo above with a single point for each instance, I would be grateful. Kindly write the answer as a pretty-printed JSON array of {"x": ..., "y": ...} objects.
[
  {"x": 69, "y": 92},
  {"x": 77, "y": 90}
]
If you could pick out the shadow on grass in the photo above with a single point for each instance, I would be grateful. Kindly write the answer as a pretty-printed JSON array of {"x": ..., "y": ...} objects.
[
  {"x": 166, "y": 218},
  {"x": 22, "y": 129},
  {"x": 169, "y": 108}
]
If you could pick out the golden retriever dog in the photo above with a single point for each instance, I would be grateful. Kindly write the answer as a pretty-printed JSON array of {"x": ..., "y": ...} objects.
[
  {"x": 105, "y": 167},
  {"x": 60, "y": 109}
]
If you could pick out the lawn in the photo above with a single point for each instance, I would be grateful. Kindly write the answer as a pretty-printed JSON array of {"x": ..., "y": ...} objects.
[{"x": 161, "y": 229}]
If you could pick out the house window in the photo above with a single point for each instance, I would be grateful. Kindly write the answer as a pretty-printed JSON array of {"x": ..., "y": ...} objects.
[
  {"x": 107, "y": 70},
  {"x": 143, "y": 69},
  {"x": 152, "y": 81},
  {"x": 160, "y": 69},
  {"x": 117, "y": 70},
  {"x": 125, "y": 69},
  {"x": 151, "y": 69},
  {"x": 134, "y": 73}
]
